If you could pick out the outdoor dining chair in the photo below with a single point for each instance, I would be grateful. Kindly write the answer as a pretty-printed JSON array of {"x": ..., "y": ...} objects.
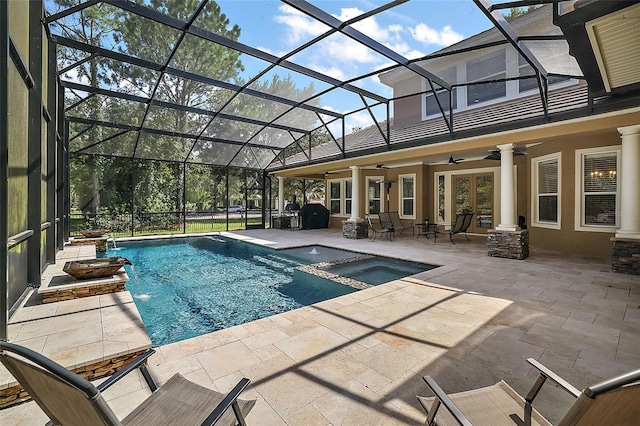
[
  {"x": 68, "y": 399},
  {"x": 612, "y": 402},
  {"x": 389, "y": 232}
]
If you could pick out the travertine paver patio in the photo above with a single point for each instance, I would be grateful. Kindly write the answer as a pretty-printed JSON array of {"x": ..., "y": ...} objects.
[{"x": 358, "y": 359}]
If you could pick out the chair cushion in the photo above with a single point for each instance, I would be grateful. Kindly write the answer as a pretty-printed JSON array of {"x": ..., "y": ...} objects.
[
  {"x": 182, "y": 402},
  {"x": 495, "y": 405}
]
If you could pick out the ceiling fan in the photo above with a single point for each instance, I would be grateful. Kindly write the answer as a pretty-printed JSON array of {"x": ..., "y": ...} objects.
[
  {"x": 455, "y": 160},
  {"x": 495, "y": 154},
  {"x": 381, "y": 166}
]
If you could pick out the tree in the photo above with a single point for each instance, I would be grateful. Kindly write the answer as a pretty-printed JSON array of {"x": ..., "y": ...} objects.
[{"x": 516, "y": 12}]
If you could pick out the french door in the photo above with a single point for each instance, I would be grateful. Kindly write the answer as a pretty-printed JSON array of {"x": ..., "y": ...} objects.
[{"x": 474, "y": 192}]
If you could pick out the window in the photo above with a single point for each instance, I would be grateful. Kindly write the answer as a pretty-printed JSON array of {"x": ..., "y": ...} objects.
[
  {"x": 546, "y": 191},
  {"x": 407, "y": 195},
  {"x": 431, "y": 105},
  {"x": 347, "y": 197},
  {"x": 374, "y": 194},
  {"x": 598, "y": 183},
  {"x": 340, "y": 196},
  {"x": 531, "y": 83},
  {"x": 488, "y": 67},
  {"x": 335, "y": 191},
  {"x": 441, "y": 198}
]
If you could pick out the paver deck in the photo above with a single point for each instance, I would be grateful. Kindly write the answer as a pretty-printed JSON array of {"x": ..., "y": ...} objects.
[{"x": 359, "y": 358}]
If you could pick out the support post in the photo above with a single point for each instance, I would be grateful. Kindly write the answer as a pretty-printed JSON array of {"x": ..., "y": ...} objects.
[
  {"x": 355, "y": 194},
  {"x": 626, "y": 242},
  {"x": 507, "y": 190},
  {"x": 4, "y": 166},
  {"x": 280, "y": 195}
]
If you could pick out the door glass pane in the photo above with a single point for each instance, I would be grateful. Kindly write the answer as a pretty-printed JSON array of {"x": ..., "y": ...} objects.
[
  {"x": 373, "y": 195},
  {"x": 441, "y": 201},
  {"x": 462, "y": 196},
  {"x": 484, "y": 201}
]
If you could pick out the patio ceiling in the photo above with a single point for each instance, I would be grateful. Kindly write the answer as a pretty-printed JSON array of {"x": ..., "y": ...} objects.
[{"x": 122, "y": 95}]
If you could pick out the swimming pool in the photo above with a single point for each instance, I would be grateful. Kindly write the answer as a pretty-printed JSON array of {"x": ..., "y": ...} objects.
[{"x": 185, "y": 287}]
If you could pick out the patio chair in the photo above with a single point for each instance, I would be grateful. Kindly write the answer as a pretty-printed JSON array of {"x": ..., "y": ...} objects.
[
  {"x": 612, "y": 402},
  {"x": 389, "y": 232},
  {"x": 392, "y": 220},
  {"x": 462, "y": 223},
  {"x": 68, "y": 399}
]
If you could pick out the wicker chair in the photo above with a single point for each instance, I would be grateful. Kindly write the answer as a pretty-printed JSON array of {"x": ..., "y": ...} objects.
[
  {"x": 613, "y": 402},
  {"x": 68, "y": 399}
]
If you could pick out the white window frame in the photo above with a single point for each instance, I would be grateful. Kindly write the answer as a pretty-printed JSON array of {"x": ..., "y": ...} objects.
[
  {"x": 378, "y": 180},
  {"x": 535, "y": 193},
  {"x": 579, "y": 190},
  {"x": 401, "y": 197},
  {"x": 343, "y": 198}
]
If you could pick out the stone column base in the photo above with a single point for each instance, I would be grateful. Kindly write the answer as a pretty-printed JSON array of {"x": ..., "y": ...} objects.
[
  {"x": 626, "y": 256},
  {"x": 508, "y": 244},
  {"x": 354, "y": 230}
]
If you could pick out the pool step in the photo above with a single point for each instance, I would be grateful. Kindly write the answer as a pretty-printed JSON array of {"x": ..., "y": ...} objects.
[{"x": 275, "y": 262}]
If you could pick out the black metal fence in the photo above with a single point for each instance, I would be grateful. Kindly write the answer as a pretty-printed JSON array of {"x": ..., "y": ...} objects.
[{"x": 127, "y": 224}]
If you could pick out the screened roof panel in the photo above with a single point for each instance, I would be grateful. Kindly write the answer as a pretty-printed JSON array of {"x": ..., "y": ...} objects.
[
  {"x": 213, "y": 60},
  {"x": 255, "y": 107},
  {"x": 288, "y": 84},
  {"x": 120, "y": 144},
  {"x": 240, "y": 74},
  {"x": 87, "y": 137},
  {"x": 299, "y": 118},
  {"x": 554, "y": 56},
  {"x": 174, "y": 120},
  {"x": 180, "y": 10},
  {"x": 211, "y": 152},
  {"x": 232, "y": 130},
  {"x": 109, "y": 109},
  {"x": 192, "y": 93},
  {"x": 272, "y": 137},
  {"x": 246, "y": 158},
  {"x": 162, "y": 147},
  {"x": 113, "y": 75}
]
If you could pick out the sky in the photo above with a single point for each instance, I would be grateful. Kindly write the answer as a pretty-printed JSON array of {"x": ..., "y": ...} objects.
[{"x": 412, "y": 29}]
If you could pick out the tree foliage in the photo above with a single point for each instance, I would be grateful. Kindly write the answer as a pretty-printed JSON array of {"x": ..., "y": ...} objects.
[{"x": 103, "y": 179}]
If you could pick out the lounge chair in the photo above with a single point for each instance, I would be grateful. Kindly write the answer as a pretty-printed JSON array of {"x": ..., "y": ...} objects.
[
  {"x": 389, "y": 232},
  {"x": 613, "y": 402},
  {"x": 392, "y": 220},
  {"x": 68, "y": 399},
  {"x": 462, "y": 223}
]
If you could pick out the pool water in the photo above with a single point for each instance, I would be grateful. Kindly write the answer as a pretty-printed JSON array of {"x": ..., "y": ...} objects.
[{"x": 186, "y": 287}]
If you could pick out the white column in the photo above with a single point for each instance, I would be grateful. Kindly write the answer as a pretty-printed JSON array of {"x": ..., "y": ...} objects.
[
  {"x": 507, "y": 190},
  {"x": 280, "y": 195},
  {"x": 355, "y": 194},
  {"x": 629, "y": 181}
]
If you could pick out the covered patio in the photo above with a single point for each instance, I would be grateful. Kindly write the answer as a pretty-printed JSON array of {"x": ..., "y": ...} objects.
[{"x": 470, "y": 322}]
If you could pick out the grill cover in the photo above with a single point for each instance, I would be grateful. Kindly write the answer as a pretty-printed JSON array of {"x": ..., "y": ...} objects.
[{"x": 314, "y": 216}]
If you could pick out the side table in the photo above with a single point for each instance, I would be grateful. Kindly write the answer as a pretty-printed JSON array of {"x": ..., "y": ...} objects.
[{"x": 427, "y": 229}]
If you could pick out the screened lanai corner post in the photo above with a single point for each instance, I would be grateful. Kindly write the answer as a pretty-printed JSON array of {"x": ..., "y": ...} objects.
[
  {"x": 52, "y": 102},
  {"x": 34, "y": 148},
  {"x": 4, "y": 166}
]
